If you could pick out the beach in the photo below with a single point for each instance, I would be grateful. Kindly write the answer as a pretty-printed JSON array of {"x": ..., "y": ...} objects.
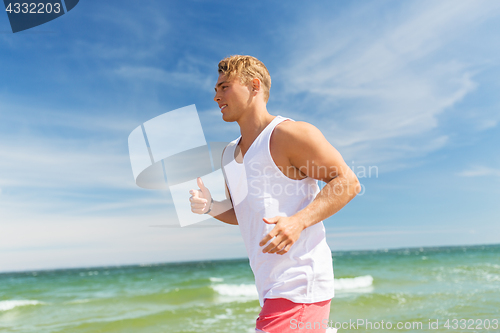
[{"x": 419, "y": 289}]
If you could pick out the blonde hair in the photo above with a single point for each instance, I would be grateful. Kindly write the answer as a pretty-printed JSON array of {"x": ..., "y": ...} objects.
[{"x": 246, "y": 68}]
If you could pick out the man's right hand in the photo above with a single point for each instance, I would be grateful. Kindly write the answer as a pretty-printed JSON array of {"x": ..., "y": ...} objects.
[{"x": 200, "y": 199}]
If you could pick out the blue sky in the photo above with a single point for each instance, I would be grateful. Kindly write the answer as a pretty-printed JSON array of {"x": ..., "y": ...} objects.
[{"x": 408, "y": 87}]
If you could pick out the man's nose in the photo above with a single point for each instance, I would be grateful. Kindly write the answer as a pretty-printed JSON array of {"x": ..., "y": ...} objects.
[{"x": 216, "y": 97}]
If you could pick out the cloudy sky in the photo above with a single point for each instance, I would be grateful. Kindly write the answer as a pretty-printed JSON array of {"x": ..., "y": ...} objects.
[{"x": 407, "y": 88}]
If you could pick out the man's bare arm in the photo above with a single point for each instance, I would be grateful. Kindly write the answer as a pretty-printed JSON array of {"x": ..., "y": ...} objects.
[
  {"x": 312, "y": 154},
  {"x": 309, "y": 151},
  {"x": 226, "y": 216},
  {"x": 221, "y": 210}
]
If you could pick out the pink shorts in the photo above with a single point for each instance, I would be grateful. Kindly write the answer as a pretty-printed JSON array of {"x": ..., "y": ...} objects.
[{"x": 280, "y": 315}]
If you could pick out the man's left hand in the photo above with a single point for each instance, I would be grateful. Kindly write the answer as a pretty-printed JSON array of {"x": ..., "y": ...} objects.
[{"x": 285, "y": 233}]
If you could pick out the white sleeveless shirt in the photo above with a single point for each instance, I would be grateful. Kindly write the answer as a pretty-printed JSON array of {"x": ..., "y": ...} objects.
[{"x": 259, "y": 189}]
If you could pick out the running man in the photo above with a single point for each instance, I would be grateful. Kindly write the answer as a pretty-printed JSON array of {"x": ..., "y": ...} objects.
[{"x": 272, "y": 172}]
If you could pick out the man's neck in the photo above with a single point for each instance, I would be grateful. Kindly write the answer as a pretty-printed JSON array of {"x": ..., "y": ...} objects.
[{"x": 252, "y": 124}]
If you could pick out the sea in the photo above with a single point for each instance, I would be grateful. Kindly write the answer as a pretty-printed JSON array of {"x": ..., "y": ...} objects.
[{"x": 438, "y": 289}]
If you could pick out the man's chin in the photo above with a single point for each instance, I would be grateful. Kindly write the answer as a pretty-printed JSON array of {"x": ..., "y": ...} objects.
[{"x": 228, "y": 119}]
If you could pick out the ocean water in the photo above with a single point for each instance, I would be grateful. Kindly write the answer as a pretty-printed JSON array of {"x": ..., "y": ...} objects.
[{"x": 450, "y": 289}]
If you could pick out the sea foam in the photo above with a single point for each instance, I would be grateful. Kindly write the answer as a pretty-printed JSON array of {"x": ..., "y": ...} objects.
[
  {"x": 247, "y": 290},
  {"x": 216, "y": 279},
  {"x": 358, "y": 282},
  {"x": 11, "y": 304}
]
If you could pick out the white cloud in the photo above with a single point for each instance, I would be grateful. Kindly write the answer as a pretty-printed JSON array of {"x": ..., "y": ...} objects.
[
  {"x": 384, "y": 233},
  {"x": 34, "y": 241},
  {"x": 480, "y": 171},
  {"x": 53, "y": 163},
  {"x": 484, "y": 124},
  {"x": 22, "y": 113},
  {"x": 378, "y": 92},
  {"x": 192, "y": 78},
  {"x": 215, "y": 128},
  {"x": 141, "y": 32},
  {"x": 71, "y": 149},
  {"x": 482, "y": 118},
  {"x": 407, "y": 237}
]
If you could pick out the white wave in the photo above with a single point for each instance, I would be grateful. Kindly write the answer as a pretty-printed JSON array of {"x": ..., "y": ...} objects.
[
  {"x": 248, "y": 290},
  {"x": 216, "y": 279},
  {"x": 79, "y": 301},
  {"x": 218, "y": 318},
  {"x": 492, "y": 277},
  {"x": 354, "y": 283},
  {"x": 11, "y": 304}
]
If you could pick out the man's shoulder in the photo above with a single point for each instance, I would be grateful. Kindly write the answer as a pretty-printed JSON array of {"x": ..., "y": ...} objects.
[
  {"x": 296, "y": 139},
  {"x": 293, "y": 131}
]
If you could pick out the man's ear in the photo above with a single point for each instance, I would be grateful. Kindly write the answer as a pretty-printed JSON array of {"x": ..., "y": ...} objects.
[{"x": 255, "y": 84}]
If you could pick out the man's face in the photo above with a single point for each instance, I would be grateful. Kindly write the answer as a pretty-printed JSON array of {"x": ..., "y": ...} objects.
[{"x": 233, "y": 97}]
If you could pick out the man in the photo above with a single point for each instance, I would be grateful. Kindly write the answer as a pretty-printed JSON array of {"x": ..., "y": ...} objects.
[{"x": 271, "y": 174}]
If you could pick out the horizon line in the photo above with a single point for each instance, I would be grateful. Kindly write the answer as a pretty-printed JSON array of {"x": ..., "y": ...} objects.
[{"x": 149, "y": 264}]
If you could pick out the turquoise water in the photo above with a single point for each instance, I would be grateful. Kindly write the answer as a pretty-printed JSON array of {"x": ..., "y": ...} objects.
[{"x": 410, "y": 286}]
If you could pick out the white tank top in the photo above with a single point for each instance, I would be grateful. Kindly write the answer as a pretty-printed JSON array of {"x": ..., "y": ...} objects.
[{"x": 259, "y": 189}]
